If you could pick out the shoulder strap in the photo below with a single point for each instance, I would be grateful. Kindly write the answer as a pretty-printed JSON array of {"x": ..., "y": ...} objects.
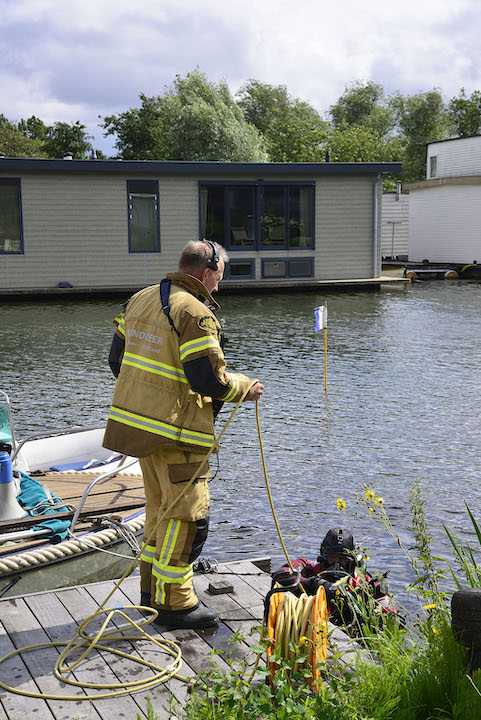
[{"x": 164, "y": 299}]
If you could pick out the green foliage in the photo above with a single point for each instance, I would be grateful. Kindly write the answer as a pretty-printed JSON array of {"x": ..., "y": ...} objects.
[
  {"x": 357, "y": 143},
  {"x": 62, "y": 137},
  {"x": 33, "y": 128},
  {"x": 465, "y": 113},
  {"x": 421, "y": 118},
  {"x": 193, "y": 120},
  {"x": 32, "y": 138},
  {"x": 363, "y": 104},
  {"x": 293, "y": 129},
  {"x": 15, "y": 144},
  {"x": 469, "y": 571}
]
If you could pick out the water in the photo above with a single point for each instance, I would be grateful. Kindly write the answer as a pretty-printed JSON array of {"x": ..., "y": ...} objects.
[{"x": 402, "y": 403}]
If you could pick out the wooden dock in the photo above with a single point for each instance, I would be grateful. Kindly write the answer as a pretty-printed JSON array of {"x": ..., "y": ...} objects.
[{"x": 55, "y": 616}]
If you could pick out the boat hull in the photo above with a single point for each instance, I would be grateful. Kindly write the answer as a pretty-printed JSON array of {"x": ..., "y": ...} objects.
[{"x": 87, "y": 566}]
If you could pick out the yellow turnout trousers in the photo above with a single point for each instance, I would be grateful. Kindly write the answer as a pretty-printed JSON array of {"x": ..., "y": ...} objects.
[{"x": 166, "y": 565}]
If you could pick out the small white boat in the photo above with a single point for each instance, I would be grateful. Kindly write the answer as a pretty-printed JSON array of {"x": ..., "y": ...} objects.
[{"x": 71, "y": 512}]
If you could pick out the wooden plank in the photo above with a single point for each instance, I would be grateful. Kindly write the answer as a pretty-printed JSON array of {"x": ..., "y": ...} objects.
[
  {"x": 24, "y": 629},
  {"x": 160, "y": 694},
  {"x": 15, "y": 673},
  {"x": 59, "y": 625},
  {"x": 224, "y": 605}
]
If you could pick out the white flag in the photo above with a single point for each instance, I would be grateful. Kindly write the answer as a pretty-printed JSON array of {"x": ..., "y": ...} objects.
[{"x": 320, "y": 313}]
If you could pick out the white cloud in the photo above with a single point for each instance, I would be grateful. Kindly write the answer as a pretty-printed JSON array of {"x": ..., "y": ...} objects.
[{"x": 77, "y": 59}]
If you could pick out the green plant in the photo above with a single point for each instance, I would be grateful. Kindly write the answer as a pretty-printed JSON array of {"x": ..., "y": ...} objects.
[{"x": 464, "y": 554}]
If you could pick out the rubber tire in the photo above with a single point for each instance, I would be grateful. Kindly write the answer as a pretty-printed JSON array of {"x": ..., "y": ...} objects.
[{"x": 466, "y": 621}]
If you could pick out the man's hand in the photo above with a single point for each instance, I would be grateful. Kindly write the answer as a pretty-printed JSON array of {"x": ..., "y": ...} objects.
[{"x": 256, "y": 391}]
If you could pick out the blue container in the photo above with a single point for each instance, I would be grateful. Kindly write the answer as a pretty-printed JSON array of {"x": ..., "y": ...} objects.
[{"x": 6, "y": 475}]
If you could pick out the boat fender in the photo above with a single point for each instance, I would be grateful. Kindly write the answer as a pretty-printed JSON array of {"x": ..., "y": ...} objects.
[{"x": 10, "y": 508}]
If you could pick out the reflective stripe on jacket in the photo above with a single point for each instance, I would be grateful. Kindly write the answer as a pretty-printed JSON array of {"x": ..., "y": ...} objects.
[{"x": 154, "y": 405}]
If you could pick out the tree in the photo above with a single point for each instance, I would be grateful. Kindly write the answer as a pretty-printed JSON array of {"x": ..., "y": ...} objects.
[
  {"x": 362, "y": 144},
  {"x": 15, "y": 144},
  {"x": 61, "y": 138},
  {"x": 33, "y": 128},
  {"x": 363, "y": 104},
  {"x": 465, "y": 113},
  {"x": 194, "y": 120},
  {"x": 422, "y": 118},
  {"x": 293, "y": 129}
]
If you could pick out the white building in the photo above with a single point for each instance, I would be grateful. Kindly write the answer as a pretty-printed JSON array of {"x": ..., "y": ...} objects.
[
  {"x": 445, "y": 209},
  {"x": 395, "y": 225}
]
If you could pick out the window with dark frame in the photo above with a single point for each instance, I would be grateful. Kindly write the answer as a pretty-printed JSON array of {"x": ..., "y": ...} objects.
[
  {"x": 240, "y": 269},
  {"x": 261, "y": 215},
  {"x": 11, "y": 231},
  {"x": 144, "y": 221},
  {"x": 292, "y": 267}
]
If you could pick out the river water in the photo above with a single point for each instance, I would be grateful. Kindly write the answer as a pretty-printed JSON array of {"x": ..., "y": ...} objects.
[{"x": 402, "y": 402}]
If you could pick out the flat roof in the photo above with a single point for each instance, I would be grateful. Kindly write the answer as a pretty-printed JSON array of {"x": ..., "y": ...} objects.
[
  {"x": 459, "y": 137},
  {"x": 170, "y": 167}
]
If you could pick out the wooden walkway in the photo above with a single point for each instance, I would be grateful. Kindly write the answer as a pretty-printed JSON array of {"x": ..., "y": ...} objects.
[{"x": 54, "y": 616}]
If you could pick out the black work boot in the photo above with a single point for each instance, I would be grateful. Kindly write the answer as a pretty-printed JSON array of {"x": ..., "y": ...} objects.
[
  {"x": 145, "y": 598},
  {"x": 194, "y": 618}
]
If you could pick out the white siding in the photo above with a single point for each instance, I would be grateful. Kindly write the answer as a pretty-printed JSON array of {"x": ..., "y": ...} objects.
[
  {"x": 455, "y": 158},
  {"x": 445, "y": 224},
  {"x": 395, "y": 225}
]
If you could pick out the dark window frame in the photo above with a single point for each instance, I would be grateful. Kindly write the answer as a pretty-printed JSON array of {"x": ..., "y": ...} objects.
[
  {"x": 146, "y": 183},
  {"x": 287, "y": 260},
  {"x": 259, "y": 185},
  {"x": 252, "y": 276},
  {"x": 17, "y": 182}
]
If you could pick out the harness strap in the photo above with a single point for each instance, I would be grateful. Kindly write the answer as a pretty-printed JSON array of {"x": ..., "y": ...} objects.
[{"x": 164, "y": 299}]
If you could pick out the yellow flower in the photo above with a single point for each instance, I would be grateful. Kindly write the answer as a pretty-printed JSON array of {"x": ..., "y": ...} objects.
[
  {"x": 370, "y": 494},
  {"x": 430, "y": 607},
  {"x": 341, "y": 504},
  {"x": 292, "y": 535},
  {"x": 372, "y": 510},
  {"x": 436, "y": 632},
  {"x": 379, "y": 501},
  {"x": 303, "y": 640}
]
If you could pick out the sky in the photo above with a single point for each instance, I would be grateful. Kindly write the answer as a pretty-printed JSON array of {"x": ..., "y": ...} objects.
[{"x": 69, "y": 60}]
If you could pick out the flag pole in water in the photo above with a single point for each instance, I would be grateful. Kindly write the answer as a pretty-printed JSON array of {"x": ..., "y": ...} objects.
[{"x": 320, "y": 313}]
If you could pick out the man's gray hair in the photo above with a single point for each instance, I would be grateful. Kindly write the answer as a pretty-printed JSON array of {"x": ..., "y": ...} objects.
[{"x": 195, "y": 256}]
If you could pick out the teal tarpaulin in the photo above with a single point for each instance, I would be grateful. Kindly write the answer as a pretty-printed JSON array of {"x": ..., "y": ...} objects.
[{"x": 31, "y": 494}]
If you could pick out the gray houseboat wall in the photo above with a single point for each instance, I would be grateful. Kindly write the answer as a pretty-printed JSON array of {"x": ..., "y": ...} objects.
[{"x": 115, "y": 225}]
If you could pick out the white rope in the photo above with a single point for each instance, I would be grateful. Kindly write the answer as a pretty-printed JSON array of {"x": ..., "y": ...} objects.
[{"x": 66, "y": 548}]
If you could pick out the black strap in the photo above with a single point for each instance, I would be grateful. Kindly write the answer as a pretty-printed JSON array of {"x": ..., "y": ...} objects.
[{"x": 164, "y": 299}]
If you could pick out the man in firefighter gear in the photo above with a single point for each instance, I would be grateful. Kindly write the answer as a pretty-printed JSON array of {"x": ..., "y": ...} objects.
[{"x": 170, "y": 369}]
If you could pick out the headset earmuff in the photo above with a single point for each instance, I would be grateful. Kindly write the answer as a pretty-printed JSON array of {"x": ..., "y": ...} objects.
[{"x": 213, "y": 263}]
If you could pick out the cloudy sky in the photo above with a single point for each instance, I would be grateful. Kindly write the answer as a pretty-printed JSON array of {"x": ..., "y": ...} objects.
[{"x": 68, "y": 60}]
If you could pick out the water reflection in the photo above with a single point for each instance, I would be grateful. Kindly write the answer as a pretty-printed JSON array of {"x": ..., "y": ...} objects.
[{"x": 402, "y": 403}]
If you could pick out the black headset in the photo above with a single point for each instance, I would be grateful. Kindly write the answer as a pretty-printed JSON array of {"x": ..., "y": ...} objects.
[{"x": 213, "y": 263}]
